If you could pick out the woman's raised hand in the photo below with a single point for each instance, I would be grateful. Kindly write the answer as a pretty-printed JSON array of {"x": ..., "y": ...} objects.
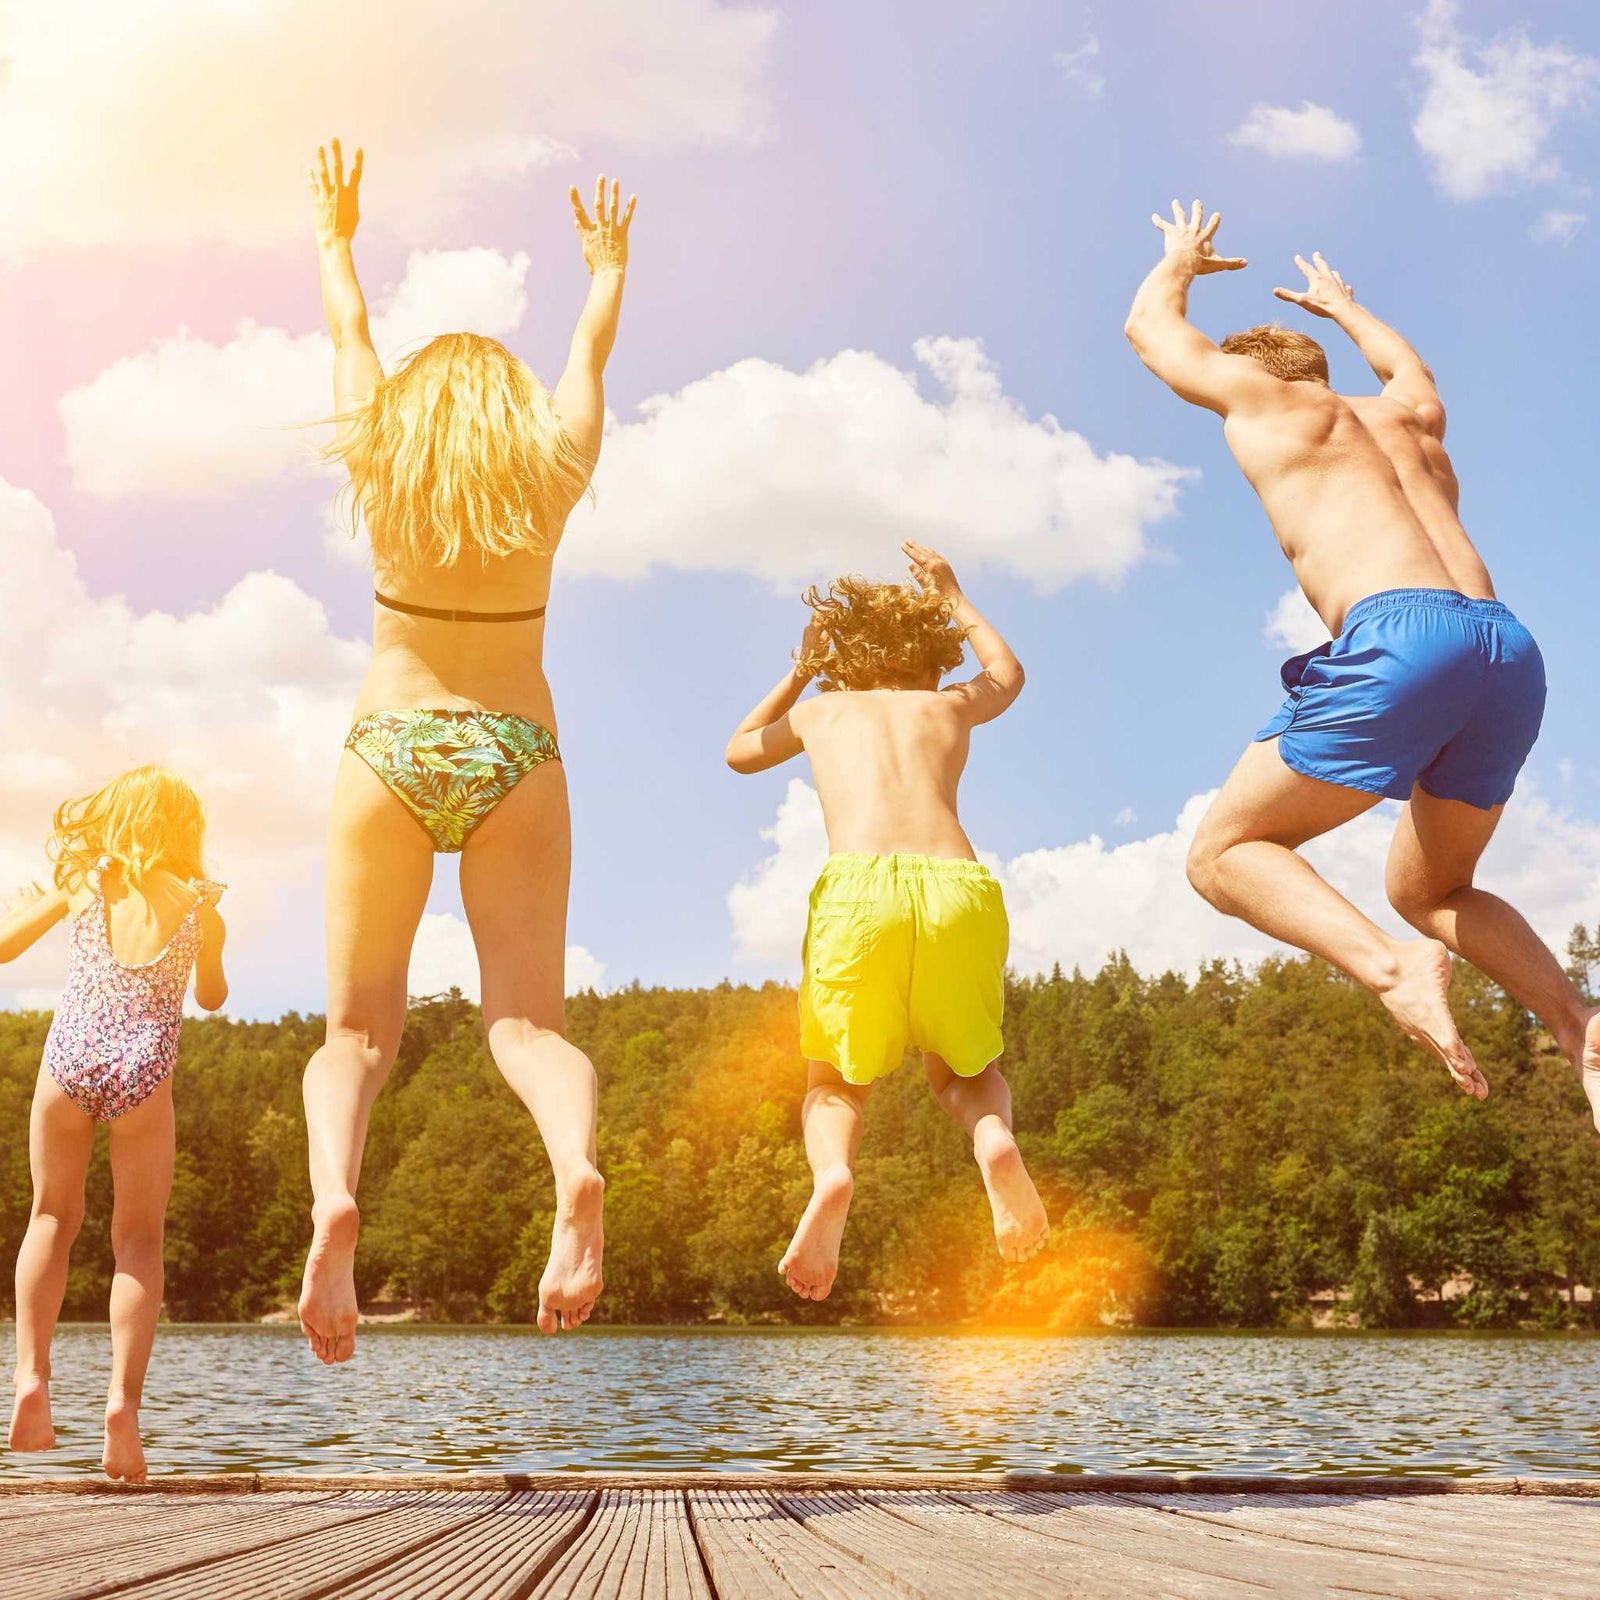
[
  {"x": 605, "y": 235},
  {"x": 335, "y": 199}
]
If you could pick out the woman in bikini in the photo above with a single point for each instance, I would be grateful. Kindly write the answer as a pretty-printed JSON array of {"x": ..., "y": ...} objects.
[{"x": 464, "y": 469}]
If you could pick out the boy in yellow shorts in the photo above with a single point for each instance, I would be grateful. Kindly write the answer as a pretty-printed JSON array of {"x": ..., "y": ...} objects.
[{"x": 906, "y": 942}]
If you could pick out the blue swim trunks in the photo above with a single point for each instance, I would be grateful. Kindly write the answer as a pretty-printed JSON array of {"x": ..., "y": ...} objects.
[{"x": 1424, "y": 686}]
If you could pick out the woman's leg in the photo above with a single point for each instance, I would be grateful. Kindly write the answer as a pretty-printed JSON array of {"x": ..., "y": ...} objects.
[
  {"x": 514, "y": 876},
  {"x": 379, "y": 869},
  {"x": 830, "y": 1119},
  {"x": 141, "y": 1177},
  {"x": 60, "y": 1142},
  {"x": 982, "y": 1106}
]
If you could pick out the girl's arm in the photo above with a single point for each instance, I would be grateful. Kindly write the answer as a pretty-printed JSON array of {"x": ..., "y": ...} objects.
[
  {"x": 1000, "y": 679},
  {"x": 336, "y": 204},
  {"x": 766, "y": 738},
  {"x": 210, "y": 982},
  {"x": 32, "y": 913},
  {"x": 579, "y": 397}
]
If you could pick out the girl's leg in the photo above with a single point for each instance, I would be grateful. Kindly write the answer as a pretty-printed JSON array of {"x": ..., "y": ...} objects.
[
  {"x": 141, "y": 1177},
  {"x": 830, "y": 1117},
  {"x": 60, "y": 1142},
  {"x": 379, "y": 868},
  {"x": 514, "y": 876},
  {"x": 982, "y": 1106}
]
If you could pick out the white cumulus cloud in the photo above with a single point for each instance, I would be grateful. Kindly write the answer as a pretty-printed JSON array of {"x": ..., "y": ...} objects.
[
  {"x": 1311, "y": 133},
  {"x": 188, "y": 417},
  {"x": 443, "y": 957},
  {"x": 1559, "y": 227},
  {"x": 1488, "y": 110},
  {"x": 1077, "y": 903},
  {"x": 1293, "y": 624},
  {"x": 173, "y": 122}
]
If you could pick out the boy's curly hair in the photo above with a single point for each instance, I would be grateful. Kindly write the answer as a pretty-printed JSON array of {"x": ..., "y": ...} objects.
[{"x": 880, "y": 635}]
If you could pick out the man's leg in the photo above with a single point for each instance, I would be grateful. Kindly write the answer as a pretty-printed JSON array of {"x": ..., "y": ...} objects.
[
  {"x": 1243, "y": 861},
  {"x": 982, "y": 1106},
  {"x": 831, "y": 1120},
  {"x": 1431, "y": 866}
]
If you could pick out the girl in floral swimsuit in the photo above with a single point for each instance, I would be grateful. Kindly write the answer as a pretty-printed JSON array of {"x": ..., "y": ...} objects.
[{"x": 141, "y": 918}]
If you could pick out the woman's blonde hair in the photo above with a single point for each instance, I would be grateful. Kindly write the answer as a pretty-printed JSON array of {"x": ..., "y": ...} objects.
[
  {"x": 460, "y": 450},
  {"x": 880, "y": 635},
  {"x": 148, "y": 820}
]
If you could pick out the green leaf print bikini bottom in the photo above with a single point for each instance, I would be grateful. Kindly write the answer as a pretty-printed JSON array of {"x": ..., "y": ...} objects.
[{"x": 450, "y": 769}]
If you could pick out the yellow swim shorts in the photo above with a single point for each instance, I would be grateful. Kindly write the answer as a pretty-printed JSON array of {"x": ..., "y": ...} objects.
[{"x": 903, "y": 950}]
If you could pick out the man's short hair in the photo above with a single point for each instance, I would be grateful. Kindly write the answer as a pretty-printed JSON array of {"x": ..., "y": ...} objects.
[{"x": 1294, "y": 357}]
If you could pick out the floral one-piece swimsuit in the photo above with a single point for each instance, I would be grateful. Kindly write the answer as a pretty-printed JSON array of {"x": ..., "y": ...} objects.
[{"x": 114, "y": 1038}]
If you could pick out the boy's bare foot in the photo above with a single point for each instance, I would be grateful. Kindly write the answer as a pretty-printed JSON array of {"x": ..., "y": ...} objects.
[
  {"x": 328, "y": 1291},
  {"x": 32, "y": 1427},
  {"x": 812, "y": 1259},
  {"x": 1419, "y": 1000},
  {"x": 123, "y": 1457},
  {"x": 572, "y": 1280},
  {"x": 1020, "y": 1224}
]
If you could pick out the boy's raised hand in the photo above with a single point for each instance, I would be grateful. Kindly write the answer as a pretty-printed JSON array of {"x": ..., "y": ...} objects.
[
  {"x": 335, "y": 199},
  {"x": 932, "y": 571},
  {"x": 605, "y": 235}
]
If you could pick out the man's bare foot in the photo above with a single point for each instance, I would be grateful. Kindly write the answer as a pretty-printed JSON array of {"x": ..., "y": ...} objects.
[
  {"x": 1020, "y": 1225},
  {"x": 32, "y": 1427},
  {"x": 328, "y": 1290},
  {"x": 572, "y": 1280},
  {"x": 1419, "y": 1000},
  {"x": 812, "y": 1259},
  {"x": 123, "y": 1457}
]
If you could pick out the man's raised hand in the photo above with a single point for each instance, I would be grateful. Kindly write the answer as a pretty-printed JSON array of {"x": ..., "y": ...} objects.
[
  {"x": 1189, "y": 240},
  {"x": 605, "y": 235},
  {"x": 1326, "y": 294},
  {"x": 335, "y": 199}
]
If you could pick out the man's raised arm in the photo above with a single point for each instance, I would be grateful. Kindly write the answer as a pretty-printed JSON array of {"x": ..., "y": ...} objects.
[
  {"x": 1405, "y": 376},
  {"x": 1159, "y": 329}
]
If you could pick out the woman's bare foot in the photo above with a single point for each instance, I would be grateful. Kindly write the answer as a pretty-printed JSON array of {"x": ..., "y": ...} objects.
[
  {"x": 1419, "y": 1000},
  {"x": 123, "y": 1457},
  {"x": 328, "y": 1291},
  {"x": 1020, "y": 1224},
  {"x": 812, "y": 1259},
  {"x": 32, "y": 1427},
  {"x": 572, "y": 1279}
]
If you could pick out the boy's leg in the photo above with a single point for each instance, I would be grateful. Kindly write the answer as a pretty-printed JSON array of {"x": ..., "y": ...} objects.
[
  {"x": 141, "y": 1178},
  {"x": 60, "y": 1143},
  {"x": 830, "y": 1118},
  {"x": 1431, "y": 865},
  {"x": 982, "y": 1106},
  {"x": 514, "y": 876},
  {"x": 1243, "y": 861}
]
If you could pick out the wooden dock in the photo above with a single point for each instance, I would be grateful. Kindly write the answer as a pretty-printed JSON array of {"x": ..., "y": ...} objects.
[{"x": 713, "y": 1536}]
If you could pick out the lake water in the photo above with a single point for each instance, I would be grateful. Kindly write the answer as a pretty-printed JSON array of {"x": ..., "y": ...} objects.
[{"x": 239, "y": 1399}]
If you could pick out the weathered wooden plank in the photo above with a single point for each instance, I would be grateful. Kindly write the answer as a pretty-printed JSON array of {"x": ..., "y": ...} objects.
[
  {"x": 136, "y": 1540},
  {"x": 496, "y": 1557},
  {"x": 754, "y": 1550},
  {"x": 323, "y": 1561},
  {"x": 638, "y": 1546}
]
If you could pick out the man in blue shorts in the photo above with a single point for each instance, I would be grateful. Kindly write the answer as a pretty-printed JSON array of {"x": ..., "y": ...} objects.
[{"x": 1430, "y": 691}]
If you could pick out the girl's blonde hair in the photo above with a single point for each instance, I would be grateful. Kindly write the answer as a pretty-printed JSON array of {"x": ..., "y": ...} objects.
[
  {"x": 880, "y": 635},
  {"x": 148, "y": 820},
  {"x": 460, "y": 450}
]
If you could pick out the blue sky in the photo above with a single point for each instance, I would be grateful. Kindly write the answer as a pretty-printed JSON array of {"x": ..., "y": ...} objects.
[{"x": 943, "y": 172}]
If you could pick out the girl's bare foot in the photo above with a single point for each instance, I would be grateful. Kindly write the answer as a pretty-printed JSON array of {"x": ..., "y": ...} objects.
[
  {"x": 123, "y": 1457},
  {"x": 812, "y": 1259},
  {"x": 1419, "y": 1000},
  {"x": 572, "y": 1279},
  {"x": 31, "y": 1425},
  {"x": 1020, "y": 1224},
  {"x": 328, "y": 1290}
]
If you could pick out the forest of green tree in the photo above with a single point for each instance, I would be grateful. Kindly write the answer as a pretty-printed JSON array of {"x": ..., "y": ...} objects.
[{"x": 1243, "y": 1149}]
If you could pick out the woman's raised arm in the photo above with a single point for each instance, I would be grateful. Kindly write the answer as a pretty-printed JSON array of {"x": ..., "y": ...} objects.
[
  {"x": 335, "y": 202},
  {"x": 579, "y": 397}
]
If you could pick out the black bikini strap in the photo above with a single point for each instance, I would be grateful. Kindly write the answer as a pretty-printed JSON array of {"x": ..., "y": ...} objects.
[{"x": 456, "y": 616}]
